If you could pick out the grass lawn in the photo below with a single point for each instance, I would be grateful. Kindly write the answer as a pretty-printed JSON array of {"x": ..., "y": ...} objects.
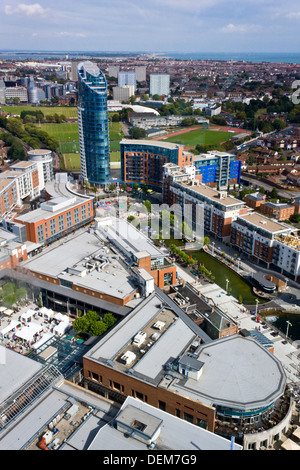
[
  {"x": 69, "y": 147},
  {"x": 68, "y": 111},
  {"x": 201, "y": 136},
  {"x": 115, "y": 157},
  {"x": 64, "y": 132},
  {"x": 72, "y": 161},
  {"x": 67, "y": 132},
  {"x": 115, "y": 131}
]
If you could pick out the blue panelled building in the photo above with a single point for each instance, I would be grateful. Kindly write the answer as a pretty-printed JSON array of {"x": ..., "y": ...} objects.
[
  {"x": 93, "y": 124},
  {"x": 218, "y": 168}
]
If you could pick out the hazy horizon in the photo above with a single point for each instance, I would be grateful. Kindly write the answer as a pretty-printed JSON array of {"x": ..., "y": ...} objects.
[{"x": 191, "y": 26}]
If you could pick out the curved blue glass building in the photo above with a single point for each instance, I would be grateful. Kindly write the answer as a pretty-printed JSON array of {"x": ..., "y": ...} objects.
[{"x": 93, "y": 124}]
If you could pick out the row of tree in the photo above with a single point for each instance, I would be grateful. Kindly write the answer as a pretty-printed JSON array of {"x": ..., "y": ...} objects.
[
  {"x": 93, "y": 324},
  {"x": 28, "y": 133}
]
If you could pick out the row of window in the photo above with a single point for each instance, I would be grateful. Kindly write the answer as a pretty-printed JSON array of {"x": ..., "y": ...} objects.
[
  {"x": 64, "y": 221},
  {"x": 161, "y": 404}
]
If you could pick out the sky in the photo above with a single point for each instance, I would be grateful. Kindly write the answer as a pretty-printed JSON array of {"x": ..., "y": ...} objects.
[{"x": 151, "y": 25}]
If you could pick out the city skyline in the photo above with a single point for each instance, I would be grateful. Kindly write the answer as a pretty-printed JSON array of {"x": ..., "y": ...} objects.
[{"x": 206, "y": 25}]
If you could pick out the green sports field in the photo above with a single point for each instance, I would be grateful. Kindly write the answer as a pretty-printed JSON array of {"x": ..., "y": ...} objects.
[
  {"x": 63, "y": 132},
  {"x": 67, "y": 135},
  {"x": 72, "y": 161},
  {"x": 201, "y": 136}
]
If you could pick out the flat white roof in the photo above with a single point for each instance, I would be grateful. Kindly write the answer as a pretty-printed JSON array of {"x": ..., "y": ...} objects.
[
  {"x": 238, "y": 372},
  {"x": 10, "y": 377},
  {"x": 129, "y": 238},
  {"x": 174, "y": 433},
  {"x": 56, "y": 261}
]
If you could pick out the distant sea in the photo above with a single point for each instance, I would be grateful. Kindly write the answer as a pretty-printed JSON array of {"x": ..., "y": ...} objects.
[{"x": 272, "y": 57}]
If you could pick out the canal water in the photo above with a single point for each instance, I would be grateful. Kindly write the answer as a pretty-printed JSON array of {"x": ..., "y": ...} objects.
[{"x": 239, "y": 287}]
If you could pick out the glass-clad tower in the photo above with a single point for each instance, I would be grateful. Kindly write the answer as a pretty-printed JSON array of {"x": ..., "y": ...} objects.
[{"x": 93, "y": 123}]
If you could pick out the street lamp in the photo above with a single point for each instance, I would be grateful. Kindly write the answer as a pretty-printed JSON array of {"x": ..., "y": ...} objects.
[
  {"x": 287, "y": 328},
  {"x": 213, "y": 245},
  {"x": 238, "y": 260},
  {"x": 227, "y": 281},
  {"x": 256, "y": 307}
]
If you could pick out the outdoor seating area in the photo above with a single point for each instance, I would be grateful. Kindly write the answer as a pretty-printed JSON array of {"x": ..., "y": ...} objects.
[
  {"x": 262, "y": 422},
  {"x": 29, "y": 328}
]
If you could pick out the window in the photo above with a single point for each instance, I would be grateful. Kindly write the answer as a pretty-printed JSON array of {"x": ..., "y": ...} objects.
[
  {"x": 61, "y": 223},
  {"x": 162, "y": 405},
  {"x": 178, "y": 413},
  {"x": 138, "y": 425},
  {"x": 40, "y": 233},
  {"x": 201, "y": 423},
  {"x": 76, "y": 215},
  {"x": 188, "y": 417},
  {"x": 52, "y": 227},
  {"x": 83, "y": 212},
  {"x": 139, "y": 396},
  {"x": 69, "y": 219}
]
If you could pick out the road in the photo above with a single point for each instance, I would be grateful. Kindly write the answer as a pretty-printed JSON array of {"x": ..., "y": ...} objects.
[{"x": 281, "y": 192}]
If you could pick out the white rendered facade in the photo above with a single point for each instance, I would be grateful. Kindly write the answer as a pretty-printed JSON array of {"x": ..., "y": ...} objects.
[
  {"x": 43, "y": 159},
  {"x": 159, "y": 84}
]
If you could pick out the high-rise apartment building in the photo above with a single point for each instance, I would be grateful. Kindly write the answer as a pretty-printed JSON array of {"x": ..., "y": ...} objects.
[
  {"x": 127, "y": 78},
  {"x": 113, "y": 70},
  {"x": 2, "y": 91},
  {"x": 142, "y": 160},
  {"x": 17, "y": 92},
  {"x": 123, "y": 93},
  {"x": 159, "y": 84},
  {"x": 93, "y": 124},
  {"x": 73, "y": 73},
  {"x": 140, "y": 71}
]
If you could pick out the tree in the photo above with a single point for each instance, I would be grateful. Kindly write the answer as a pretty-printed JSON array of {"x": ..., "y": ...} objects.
[
  {"x": 137, "y": 132},
  {"x": 279, "y": 124},
  {"x": 109, "y": 320},
  {"x": 16, "y": 151},
  {"x": 97, "y": 328},
  {"x": 206, "y": 241},
  {"x": 81, "y": 324},
  {"x": 92, "y": 316},
  {"x": 148, "y": 205},
  {"x": 274, "y": 194}
]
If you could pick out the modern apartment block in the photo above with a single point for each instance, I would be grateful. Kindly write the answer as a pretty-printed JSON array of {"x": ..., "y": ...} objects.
[
  {"x": 113, "y": 70},
  {"x": 8, "y": 196},
  {"x": 159, "y": 84},
  {"x": 142, "y": 160},
  {"x": 140, "y": 71},
  {"x": 184, "y": 187},
  {"x": 26, "y": 175},
  {"x": 218, "y": 168},
  {"x": 56, "y": 218},
  {"x": 93, "y": 124},
  {"x": 123, "y": 93},
  {"x": 268, "y": 242},
  {"x": 127, "y": 78},
  {"x": 44, "y": 161}
]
